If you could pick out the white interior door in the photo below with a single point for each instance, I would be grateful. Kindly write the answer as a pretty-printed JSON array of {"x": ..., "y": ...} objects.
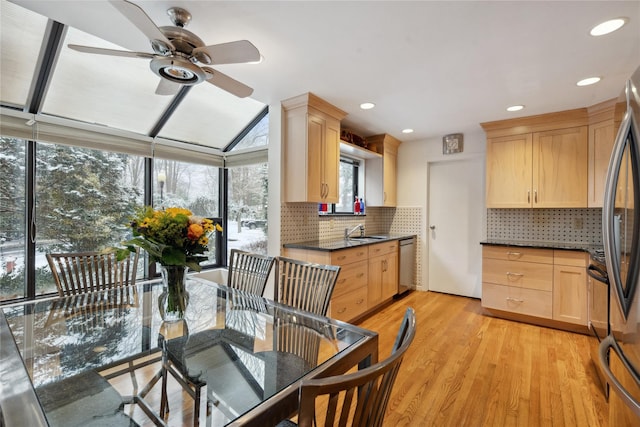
[{"x": 456, "y": 224}]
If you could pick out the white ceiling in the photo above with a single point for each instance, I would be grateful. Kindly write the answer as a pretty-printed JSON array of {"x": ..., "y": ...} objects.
[{"x": 436, "y": 67}]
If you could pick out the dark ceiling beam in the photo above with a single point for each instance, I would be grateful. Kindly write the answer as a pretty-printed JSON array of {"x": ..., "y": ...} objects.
[
  {"x": 49, "y": 53},
  {"x": 166, "y": 115}
]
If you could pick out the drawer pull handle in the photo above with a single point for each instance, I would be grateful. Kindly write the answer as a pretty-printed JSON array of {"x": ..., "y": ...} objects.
[
  {"x": 360, "y": 275},
  {"x": 340, "y": 258},
  {"x": 360, "y": 301},
  {"x": 360, "y": 253},
  {"x": 342, "y": 310},
  {"x": 342, "y": 281},
  {"x": 517, "y": 254},
  {"x": 514, "y": 274},
  {"x": 514, "y": 299}
]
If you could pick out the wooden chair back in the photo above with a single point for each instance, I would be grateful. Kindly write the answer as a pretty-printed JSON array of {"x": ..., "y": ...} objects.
[
  {"x": 359, "y": 398},
  {"x": 80, "y": 272},
  {"x": 305, "y": 285},
  {"x": 249, "y": 272}
]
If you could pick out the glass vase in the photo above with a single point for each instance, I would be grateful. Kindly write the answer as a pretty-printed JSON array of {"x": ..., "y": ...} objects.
[{"x": 174, "y": 298}]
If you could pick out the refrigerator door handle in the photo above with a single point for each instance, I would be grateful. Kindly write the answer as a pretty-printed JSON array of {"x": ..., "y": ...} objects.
[
  {"x": 628, "y": 137},
  {"x": 610, "y": 343}
]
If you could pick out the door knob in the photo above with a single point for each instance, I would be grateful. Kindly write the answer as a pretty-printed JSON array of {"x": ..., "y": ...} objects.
[{"x": 433, "y": 227}]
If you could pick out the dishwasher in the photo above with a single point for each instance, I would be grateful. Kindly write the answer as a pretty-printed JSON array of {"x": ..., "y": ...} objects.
[{"x": 407, "y": 263}]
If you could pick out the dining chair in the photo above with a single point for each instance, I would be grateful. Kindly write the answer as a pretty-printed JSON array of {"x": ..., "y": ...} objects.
[
  {"x": 358, "y": 398},
  {"x": 80, "y": 272},
  {"x": 249, "y": 272},
  {"x": 304, "y": 285}
]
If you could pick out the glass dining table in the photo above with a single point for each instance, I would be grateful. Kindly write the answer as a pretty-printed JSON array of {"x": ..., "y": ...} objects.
[{"x": 59, "y": 357}]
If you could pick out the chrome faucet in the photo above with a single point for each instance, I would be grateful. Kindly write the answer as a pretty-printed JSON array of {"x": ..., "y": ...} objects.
[{"x": 348, "y": 233}]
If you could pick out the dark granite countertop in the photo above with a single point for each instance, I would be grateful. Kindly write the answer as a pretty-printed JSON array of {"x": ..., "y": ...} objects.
[
  {"x": 574, "y": 246},
  {"x": 338, "y": 244}
]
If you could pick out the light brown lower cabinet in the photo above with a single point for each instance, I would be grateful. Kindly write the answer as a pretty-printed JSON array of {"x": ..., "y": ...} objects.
[
  {"x": 383, "y": 273},
  {"x": 349, "y": 299},
  {"x": 570, "y": 286},
  {"x": 518, "y": 280},
  {"x": 368, "y": 276},
  {"x": 542, "y": 283}
]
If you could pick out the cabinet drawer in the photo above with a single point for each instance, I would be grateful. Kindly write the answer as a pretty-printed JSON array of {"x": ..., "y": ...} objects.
[
  {"x": 350, "y": 305},
  {"x": 351, "y": 276},
  {"x": 519, "y": 274},
  {"x": 383, "y": 248},
  {"x": 571, "y": 258},
  {"x": 517, "y": 300},
  {"x": 347, "y": 256},
  {"x": 515, "y": 253}
]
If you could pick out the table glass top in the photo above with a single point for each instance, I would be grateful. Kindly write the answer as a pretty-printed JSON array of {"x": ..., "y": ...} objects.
[{"x": 251, "y": 346}]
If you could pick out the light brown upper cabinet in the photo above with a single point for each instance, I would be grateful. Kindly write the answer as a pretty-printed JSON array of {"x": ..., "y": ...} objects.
[
  {"x": 538, "y": 161},
  {"x": 601, "y": 138},
  {"x": 311, "y": 150},
  {"x": 381, "y": 174}
]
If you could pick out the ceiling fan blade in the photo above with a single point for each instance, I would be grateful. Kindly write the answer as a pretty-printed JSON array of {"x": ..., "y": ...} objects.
[
  {"x": 230, "y": 53},
  {"x": 111, "y": 52},
  {"x": 166, "y": 87},
  {"x": 227, "y": 83},
  {"x": 141, "y": 20}
]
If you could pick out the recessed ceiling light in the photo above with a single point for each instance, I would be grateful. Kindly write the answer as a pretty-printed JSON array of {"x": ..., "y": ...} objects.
[
  {"x": 588, "y": 81},
  {"x": 608, "y": 26},
  {"x": 367, "y": 105},
  {"x": 407, "y": 130},
  {"x": 515, "y": 108}
]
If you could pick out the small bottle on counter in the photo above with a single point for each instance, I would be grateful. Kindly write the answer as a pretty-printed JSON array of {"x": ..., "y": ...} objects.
[
  {"x": 356, "y": 206},
  {"x": 361, "y": 205}
]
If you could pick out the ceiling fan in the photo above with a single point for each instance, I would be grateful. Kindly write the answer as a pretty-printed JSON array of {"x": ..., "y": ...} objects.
[{"x": 178, "y": 52}]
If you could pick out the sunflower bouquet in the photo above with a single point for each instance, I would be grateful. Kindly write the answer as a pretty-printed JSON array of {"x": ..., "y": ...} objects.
[{"x": 172, "y": 236}]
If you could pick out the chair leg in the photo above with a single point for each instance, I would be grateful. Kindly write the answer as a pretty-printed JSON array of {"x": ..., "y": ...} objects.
[
  {"x": 164, "y": 401},
  {"x": 196, "y": 407}
]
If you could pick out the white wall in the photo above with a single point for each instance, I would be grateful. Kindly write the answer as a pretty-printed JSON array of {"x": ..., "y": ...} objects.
[{"x": 413, "y": 179}]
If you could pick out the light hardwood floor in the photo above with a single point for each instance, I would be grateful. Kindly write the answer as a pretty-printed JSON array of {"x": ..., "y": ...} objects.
[{"x": 468, "y": 369}]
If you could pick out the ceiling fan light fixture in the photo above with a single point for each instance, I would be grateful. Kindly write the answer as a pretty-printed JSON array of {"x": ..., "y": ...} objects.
[{"x": 178, "y": 70}]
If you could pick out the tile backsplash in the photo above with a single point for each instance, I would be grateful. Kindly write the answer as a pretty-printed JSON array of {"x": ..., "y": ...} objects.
[
  {"x": 548, "y": 225},
  {"x": 300, "y": 222}
]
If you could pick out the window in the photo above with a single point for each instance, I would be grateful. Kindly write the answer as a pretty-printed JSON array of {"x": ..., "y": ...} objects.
[
  {"x": 83, "y": 198},
  {"x": 83, "y": 201},
  {"x": 247, "y": 208},
  {"x": 12, "y": 214},
  {"x": 192, "y": 186},
  {"x": 349, "y": 177}
]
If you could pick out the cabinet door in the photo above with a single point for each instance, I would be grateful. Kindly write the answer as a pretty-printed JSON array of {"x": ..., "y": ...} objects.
[
  {"x": 509, "y": 172},
  {"x": 601, "y": 138},
  {"x": 374, "y": 292},
  {"x": 331, "y": 161},
  {"x": 390, "y": 179},
  {"x": 390, "y": 276},
  {"x": 570, "y": 294},
  {"x": 315, "y": 155},
  {"x": 560, "y": 168}
]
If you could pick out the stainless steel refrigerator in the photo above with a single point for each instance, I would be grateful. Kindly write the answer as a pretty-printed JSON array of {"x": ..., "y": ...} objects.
[{"x": 619, "y": 352}]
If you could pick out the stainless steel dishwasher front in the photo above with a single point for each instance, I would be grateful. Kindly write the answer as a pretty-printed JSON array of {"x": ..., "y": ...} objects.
[{"x": 407, "y": 264}]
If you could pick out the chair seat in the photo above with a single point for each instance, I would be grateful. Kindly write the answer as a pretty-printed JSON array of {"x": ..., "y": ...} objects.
[{"x": 86, "y": 399}]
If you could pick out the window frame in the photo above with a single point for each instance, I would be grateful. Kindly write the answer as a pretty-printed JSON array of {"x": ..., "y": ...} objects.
[{"x": 355, "y": 186}]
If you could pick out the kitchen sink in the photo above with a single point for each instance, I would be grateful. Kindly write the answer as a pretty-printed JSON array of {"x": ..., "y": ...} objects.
[{"x": 368, "y": 237}]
